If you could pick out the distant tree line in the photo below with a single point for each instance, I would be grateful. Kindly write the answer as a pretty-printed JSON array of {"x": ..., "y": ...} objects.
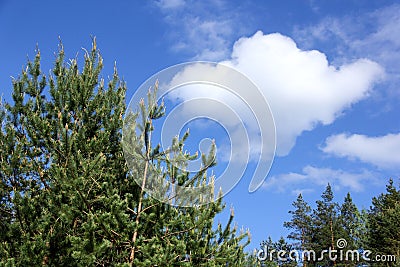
[{"x": 340, "y": 229}]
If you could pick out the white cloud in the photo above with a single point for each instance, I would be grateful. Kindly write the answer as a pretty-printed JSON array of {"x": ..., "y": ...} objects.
[
  {"x": 302, "y": 88},
  {"x": 381, "y": 151},
  {"x": 374, "y": 34},
  {"x": 201, "y": 30},
  {"x": 167, "y": 5},
  {"x": 206, "y": 38},
  {"x": 312, "y": 176}
]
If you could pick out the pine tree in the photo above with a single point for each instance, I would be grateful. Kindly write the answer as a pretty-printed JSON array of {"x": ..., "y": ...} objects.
[
  {"x": 326, "y": 225},
  {"x": 252, "y": 260},
  {"x": 67, "y": 195},
  {"x": 265, "y": 257},
  {"x": 300, "y": 225},
  {"x": 383, "y": 236},
  {"x": 277, "y": 253},
  {"x": 288, "y": 260},
  {"x": 352, "y": 223}
]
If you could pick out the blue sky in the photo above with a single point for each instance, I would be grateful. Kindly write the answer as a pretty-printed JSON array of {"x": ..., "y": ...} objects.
[{"x": 329, "y": 70}]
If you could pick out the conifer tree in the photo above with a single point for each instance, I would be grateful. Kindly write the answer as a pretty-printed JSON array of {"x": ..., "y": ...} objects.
[
  {"x": 352, "y": 225},
  {"x": 383, "y": 236},
  {"x": 288, "y": 260},
  {"x": 326, "y": 224},
  {"x": 265, "y": 258},
  {"x": 300, "y": 225},
  {"x": 277, "y": 253},
  {"x": 252, "y": 260},
  {"x": 67, "y": 195}
]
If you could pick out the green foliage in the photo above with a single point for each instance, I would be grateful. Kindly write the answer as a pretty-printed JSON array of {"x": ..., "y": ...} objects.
[
  {"x": 352, "y": 222},
  {"x": 67, "y": 197},
  {"x": 383, "y": 235},
  {"x": 327, "y": 228},
  {"x": 375, "y": 230},
  {"x": 352, "y": 225},
  {"x": 271, "y": 253},
  {"x": 302, "y": 230},
  {"x": 300, "y": 223}
]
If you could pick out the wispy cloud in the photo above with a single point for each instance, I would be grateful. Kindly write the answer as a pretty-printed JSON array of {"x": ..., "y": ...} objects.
[
  {"x": 168, "y": 5},
  {"x": 207, "y": 39},
  {"x": 202, "y": 30},
  {"x": 381, "y": 151},
  {"x": 310, "y": 177},
  {"x": 375, "y": 35}
]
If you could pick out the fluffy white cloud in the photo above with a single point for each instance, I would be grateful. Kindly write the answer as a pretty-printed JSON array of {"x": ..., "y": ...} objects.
[
  {"x": 313, "y": 176},
  {"x": 302, "y": 88},
  {"x": 381, "y": 151}
]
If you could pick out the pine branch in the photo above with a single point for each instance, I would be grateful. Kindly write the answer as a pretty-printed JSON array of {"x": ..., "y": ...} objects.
[{"x": 139, "y": 210}]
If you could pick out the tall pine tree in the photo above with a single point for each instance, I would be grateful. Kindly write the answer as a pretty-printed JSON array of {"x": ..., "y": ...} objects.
[
  {"x": 383, "y": 236},
  {"x": 300, "y": 225},
  {"x": 67, "y": 195},
  {"x": 326, "y": 224},
  {"x": 352, "y": 225}
]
